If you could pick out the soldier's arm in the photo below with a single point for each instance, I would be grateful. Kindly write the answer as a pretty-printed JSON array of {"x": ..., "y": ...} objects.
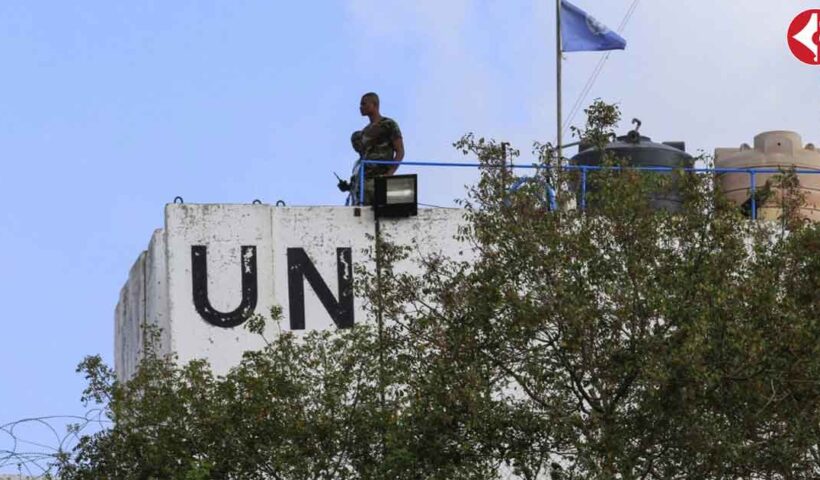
[
  {"x": 356, "y": 141},
  {"x": 398, "y": 146}
]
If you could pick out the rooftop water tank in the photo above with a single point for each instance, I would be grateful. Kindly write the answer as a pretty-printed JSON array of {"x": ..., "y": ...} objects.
[
  {"x": 636, "y": 150},
  {"x": 772, "y": 150}
]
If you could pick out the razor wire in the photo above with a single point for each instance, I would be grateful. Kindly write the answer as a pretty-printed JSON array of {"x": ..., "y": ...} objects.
[{"x": 32, "y": 446}]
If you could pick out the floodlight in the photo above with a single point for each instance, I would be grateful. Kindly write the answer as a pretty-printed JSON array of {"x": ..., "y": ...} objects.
[{"x": 396, "y": 196}]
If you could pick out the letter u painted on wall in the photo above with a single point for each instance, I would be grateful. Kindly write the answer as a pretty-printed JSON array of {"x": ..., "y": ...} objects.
[
  {"x": 250, "y": 292},
  {"x": 300, "y": 269}
]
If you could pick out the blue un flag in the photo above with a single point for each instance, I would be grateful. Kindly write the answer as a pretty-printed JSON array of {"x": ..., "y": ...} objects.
[{"x": 580, "y": 32}]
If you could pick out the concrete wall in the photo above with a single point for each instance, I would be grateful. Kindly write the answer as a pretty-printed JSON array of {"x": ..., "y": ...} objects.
[
  {"x": 130, "y": 315},
  {"x": 213, "y": 263},
  {"x": 156, "y": 289}
]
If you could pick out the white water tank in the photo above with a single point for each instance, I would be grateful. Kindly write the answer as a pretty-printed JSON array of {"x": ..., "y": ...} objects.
[{"x": 771, "y": 150}]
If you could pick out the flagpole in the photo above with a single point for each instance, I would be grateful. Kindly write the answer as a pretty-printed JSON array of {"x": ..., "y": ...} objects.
[{"x": 558, "y": 74}]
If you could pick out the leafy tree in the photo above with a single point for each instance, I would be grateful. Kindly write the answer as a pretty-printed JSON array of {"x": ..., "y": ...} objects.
[{"x": 619, "y": 341}]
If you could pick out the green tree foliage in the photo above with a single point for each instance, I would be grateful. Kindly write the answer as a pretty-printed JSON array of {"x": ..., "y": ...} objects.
[{"x": 616, "y": 342}]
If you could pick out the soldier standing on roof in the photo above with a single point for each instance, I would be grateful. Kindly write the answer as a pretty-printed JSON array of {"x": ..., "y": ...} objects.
[{"x": 379, "y": 140}]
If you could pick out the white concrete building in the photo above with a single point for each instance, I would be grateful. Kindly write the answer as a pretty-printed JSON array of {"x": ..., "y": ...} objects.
[{"x": 211, "y": 264}]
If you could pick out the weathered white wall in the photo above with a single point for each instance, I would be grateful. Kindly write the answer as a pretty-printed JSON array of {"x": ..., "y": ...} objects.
[
  {"x": 130, "y": 314},
  {"x": 160, "y": 287},
  {"x": 223, "y": 229},
  {"x": 320, "y": 231},
  {"x": 156, "y": 289}
]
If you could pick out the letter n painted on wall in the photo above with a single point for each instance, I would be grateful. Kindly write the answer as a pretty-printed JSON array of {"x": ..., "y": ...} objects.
[
  {"x": 199, "y": 273},
  {"x": 300, "y": 268}
]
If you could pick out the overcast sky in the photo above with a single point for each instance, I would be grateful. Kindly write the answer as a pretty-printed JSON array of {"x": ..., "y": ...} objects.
[{"x": 110, "y": 109}]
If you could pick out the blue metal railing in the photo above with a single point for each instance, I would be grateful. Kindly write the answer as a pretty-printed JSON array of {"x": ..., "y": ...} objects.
[{"x": 584, "y": 169}]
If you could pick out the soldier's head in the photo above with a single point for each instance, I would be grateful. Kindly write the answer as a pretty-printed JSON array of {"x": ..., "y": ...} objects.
[{"x": 369, "y": 104}]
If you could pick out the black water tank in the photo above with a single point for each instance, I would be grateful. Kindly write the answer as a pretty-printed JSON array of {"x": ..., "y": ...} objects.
[{"x": 636, "y": 150}]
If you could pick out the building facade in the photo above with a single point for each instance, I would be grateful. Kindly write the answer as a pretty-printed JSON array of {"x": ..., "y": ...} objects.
[{"x": 211, "y": 265}]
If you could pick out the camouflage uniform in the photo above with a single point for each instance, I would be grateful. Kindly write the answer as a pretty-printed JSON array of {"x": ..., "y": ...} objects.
[{"x": 374, "y": 142}]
